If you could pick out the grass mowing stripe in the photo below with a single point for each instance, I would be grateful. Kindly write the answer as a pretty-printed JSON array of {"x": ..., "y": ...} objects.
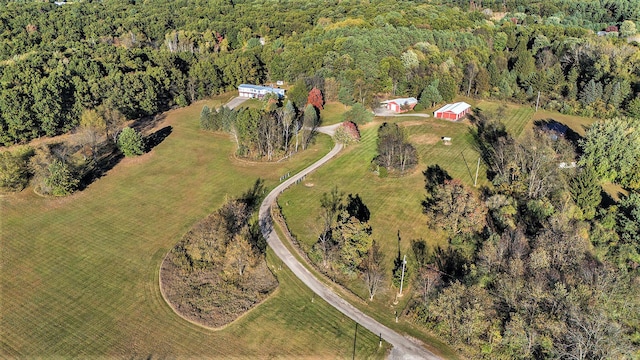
[{"x": 79, "y": 274}]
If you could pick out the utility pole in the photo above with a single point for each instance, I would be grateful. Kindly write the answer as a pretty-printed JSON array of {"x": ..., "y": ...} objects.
[
  {"x": 404, "y": 263},
  {"x": 538, "y": 101}
]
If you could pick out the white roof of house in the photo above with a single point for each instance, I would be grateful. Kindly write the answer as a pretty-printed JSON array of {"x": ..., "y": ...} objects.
[
  {"x": 261, "y": 88},
  {"x": 401, "y": 101},
  {"x": 455, "y": 108}
]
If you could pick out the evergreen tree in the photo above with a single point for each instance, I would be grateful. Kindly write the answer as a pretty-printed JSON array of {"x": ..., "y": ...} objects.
[
  {"x": 633, "y": 108},
  {"x": 205, "y": 118},
  {"x": 60, "y": 181},
  {"x": 358, "y": 114},
  {"x": 591, "y": 93},
  {"x": 447, "y": 87},
  {"x": 586, "y": 191},
  {"x": 13, "y": 171}
]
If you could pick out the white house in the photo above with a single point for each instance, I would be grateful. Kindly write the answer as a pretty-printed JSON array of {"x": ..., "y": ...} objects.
[
  {"x": 258, "y": 91},
  {"x": 453, "y": 112},
  {"x": 400, "y": 105}
]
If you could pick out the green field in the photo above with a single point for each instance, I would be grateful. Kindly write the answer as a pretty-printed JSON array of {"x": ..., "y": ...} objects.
[
  {"x": 516, "y": 118},
  {"x": 332, "y": 113},
  {"x": 79, "y": 275},
  {"x": 394, "y": 203}
]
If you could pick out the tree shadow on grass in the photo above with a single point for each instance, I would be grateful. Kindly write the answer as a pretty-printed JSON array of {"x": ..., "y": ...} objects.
[
  {"x": 100, "y": 166},
  {"x": 148, "y": 123},
  {"x": 157, "y": 137},
  {"x": 558, "y": 129}
]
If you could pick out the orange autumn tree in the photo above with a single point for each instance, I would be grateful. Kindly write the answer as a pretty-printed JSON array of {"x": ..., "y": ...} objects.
[{"x": 315, "y": 98}]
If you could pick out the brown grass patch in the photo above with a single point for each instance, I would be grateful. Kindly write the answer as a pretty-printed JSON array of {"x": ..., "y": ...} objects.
[
  {"x": 424, "y": 139},
  {"x": 136, "y": 160},
  {"x": 412, "y": 123}
]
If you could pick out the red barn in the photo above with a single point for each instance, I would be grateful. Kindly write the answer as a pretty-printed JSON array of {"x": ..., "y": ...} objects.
[
  {"x": 400, "y": 105},
  {"x": 452, "y": 111}
]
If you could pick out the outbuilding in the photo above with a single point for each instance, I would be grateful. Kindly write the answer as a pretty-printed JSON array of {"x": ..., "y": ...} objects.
[
  {"x": 258, "y": 91},
  {"x": 453, "y": 112},
  {"x": 400, "y": 105}
]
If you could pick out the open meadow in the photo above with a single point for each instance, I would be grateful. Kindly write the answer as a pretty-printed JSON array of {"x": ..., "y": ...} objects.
[{"x": 79, "y": 275}]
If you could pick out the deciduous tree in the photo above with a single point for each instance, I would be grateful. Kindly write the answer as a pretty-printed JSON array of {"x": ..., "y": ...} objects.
[
  {"x": 455, "y": 208},
  {"x": 315, "y": 99},
  {"x": 373, "y": 268},
  {"x": 394, "y": 151},
  {"x": 130, "y": 142}
]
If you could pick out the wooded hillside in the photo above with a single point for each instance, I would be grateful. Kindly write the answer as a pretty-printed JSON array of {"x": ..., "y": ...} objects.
[{"x": 142, "y": 58}]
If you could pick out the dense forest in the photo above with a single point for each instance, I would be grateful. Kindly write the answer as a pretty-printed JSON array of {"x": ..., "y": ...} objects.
[
  {"x": 539, "y": 264},
  {"x": 141, "y": 58}
]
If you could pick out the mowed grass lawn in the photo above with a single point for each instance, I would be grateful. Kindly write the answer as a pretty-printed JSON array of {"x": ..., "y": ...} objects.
[
  {"x": 79, "y": 275},
  {"x": 332, "y": 113},
  {"x": 394, "y": 202}
]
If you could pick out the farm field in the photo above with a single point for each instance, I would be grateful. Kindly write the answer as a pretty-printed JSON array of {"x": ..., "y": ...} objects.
[
  {"x": 79, "y": 275},
  {"x": 576, "y": 123}
]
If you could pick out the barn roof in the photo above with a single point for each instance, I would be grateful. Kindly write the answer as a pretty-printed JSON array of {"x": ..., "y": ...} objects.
[
  {"x": 456, "y": 108},
  {"x": 402, "y": 101}
]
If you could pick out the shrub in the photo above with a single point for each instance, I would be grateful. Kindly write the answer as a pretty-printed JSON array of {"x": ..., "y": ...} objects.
[
  {"x": 347, "y": 133},
  {"x": 13, "y": 171},
  {"x": 130, "y": 142},
  {"x": 358, "y": 114}
]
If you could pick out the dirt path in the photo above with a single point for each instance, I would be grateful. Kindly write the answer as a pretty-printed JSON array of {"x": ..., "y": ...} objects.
[{"x": 403, "y": 348}]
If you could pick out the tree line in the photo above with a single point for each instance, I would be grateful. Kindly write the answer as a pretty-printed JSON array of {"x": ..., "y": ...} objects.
[{"x": 58, "y": 61}]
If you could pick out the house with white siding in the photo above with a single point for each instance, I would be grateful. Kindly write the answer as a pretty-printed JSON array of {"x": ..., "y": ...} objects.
[{"x": 258, "y": 91}]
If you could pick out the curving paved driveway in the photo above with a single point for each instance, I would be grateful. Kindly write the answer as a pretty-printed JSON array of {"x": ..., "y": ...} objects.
[{"x": 403, "y": 348}]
